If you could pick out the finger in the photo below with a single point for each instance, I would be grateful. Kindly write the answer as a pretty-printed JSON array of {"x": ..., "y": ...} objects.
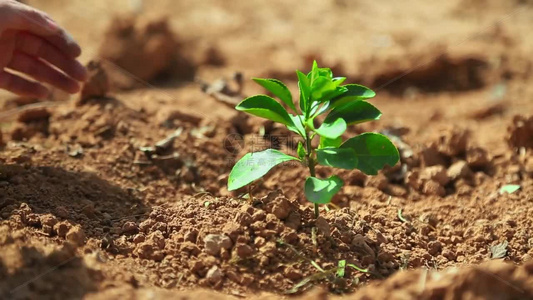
[
  {"x": 37, "y": 47},
  {"x": 26, "y": 18},
  {"x": 22, "y": 87},
  {"x": 42, "y": 72}
]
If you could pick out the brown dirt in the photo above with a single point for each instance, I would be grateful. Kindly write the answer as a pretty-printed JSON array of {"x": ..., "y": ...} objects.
[{"x": 121, "y": 194}]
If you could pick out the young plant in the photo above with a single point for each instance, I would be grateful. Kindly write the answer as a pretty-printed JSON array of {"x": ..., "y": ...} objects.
[{"x": 343, "y": 105}]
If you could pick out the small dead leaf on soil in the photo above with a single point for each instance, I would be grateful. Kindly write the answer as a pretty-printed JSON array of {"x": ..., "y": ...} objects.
[
  {"x": 499, "y": 250},
  {"x": 222, "y": 91}
]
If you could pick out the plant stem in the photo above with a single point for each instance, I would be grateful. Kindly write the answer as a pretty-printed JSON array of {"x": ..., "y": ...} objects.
[{"x": 311, "y": 165}]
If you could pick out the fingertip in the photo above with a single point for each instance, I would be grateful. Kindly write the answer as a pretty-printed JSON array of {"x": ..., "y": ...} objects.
[
  {"x": 74, "y": 50},
  {"x": 82, "y": 73},
  {"x": 74, "y": 88},
  {"x": 41, "y": 92}
]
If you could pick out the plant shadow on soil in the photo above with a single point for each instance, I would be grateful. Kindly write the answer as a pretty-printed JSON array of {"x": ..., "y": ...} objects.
[{"x": 44, "y": 198}]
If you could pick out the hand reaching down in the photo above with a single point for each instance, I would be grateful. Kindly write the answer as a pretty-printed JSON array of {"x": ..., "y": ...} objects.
[{"x": 33, "y": 44}]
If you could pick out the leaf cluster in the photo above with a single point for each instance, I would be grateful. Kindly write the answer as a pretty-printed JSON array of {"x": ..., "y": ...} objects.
[{"x": 320, "y": 94}]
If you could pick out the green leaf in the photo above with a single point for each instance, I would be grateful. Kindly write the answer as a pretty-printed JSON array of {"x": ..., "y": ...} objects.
[
  {"x": 277, "y": 88},
  {"x": 321, "y": 191},
  {"x": 332, "y": 130},
  {"x": 297, "y": 125},
  {"x": 255, "y": 165},
  {"x": 355, "y": 92},
  {"x": 509, "y": 189},
  {"x": 301, "y": 151},
  {"x": 354, "y": 113},
  {"x": 341, "y": 268},
  {"x": 339, "y": 80},
  {"x": 305, "y": 90},
  {"x": 343, "y": 158},
  {"x": 265, "y": 107},
  {"x": 373, "y": 152},
  {"x": 321, "y": 87},
  {"x": 331, "y": 143}
]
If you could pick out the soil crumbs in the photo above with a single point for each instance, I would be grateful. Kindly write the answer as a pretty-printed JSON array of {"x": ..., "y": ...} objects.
[{"x": 121, "y": 192}]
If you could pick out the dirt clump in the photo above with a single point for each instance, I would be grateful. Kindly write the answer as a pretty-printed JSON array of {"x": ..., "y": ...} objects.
[
  {"x": 97, "y": 84},
  {"x": 521, "y": 132}
]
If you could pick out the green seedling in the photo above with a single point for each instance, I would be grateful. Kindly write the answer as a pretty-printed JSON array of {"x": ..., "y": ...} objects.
[{"x": 321, "y": 94}]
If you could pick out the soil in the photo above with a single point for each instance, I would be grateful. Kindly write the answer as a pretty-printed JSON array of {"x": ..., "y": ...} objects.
[{"x": 120, "y": 192}]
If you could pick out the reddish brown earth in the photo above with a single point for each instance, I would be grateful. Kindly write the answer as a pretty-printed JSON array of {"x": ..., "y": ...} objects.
[{"x": 120, "y": 192}]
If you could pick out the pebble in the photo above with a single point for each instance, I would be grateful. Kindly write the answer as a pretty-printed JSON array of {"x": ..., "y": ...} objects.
[
  {"x": 214, "y": 242},
  {"x": 214, "y": 275},
  {"x": 459, "y": 169},
  {"x": 76, "y": 235}
]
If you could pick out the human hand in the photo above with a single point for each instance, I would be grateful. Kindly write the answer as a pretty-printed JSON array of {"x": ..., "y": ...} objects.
[{"x": 33, "y": 44}]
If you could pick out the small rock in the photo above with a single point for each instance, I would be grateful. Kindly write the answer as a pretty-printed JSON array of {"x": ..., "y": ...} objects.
[
  {"x": 97, "y": 85},
  {"x": 191, "y": 235},
  {"x": 139, "y": 238},
  {"x": 452, "y": 142},
  {"x": 434, "y": 248},
  {"x": 435, "y": 173},
  {"x": 432, "y": 157},
  {"x": 129, "y": 228},
  {"x": 477, "y": 158},
  {"x": 76, "y": 235},
  {"x": 450, "y": 255},
  {"x": 243, "y": 218},
  {"x": 458, "y": 170},
  {"x": 243, "y": 250},
  {"x": 61, "y": 229},
  {"x": 434, "y": 188},
  {"x": 48, "y": 221},
  {"x": 214, "y": 275},
  {"x": 280, "y": 207},
  {"x": 293, "y": 273},
  {"x": 214, "y": 242}
]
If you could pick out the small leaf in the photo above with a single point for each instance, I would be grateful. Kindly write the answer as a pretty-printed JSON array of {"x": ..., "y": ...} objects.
[
  {"x": 305, "y": 90},
  {"x": 344, "y": 158},
  {"x": 339, "y": 80},
  {"x": 253, "y": 166},
  {"x": 321, "y": 191},
  {"x": 330, "y": 143},
  {"x": 355, "y": 92},
  {"x": 265, "y": 107},
  {"x": 332, "y": 130},
  {"x": 373, "y": 151},
  {"x": 341, "y": 268},
  {"x": 297, "y": 125},
  {"x": 509, "y": 189},
  {"x": 301, "y": 150},
  {"x": 321, "y": 87},
  {"x": 499, "y": 250},
  {"x": 354, "y": 113},
  {"x": 278, "y": 88}
]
